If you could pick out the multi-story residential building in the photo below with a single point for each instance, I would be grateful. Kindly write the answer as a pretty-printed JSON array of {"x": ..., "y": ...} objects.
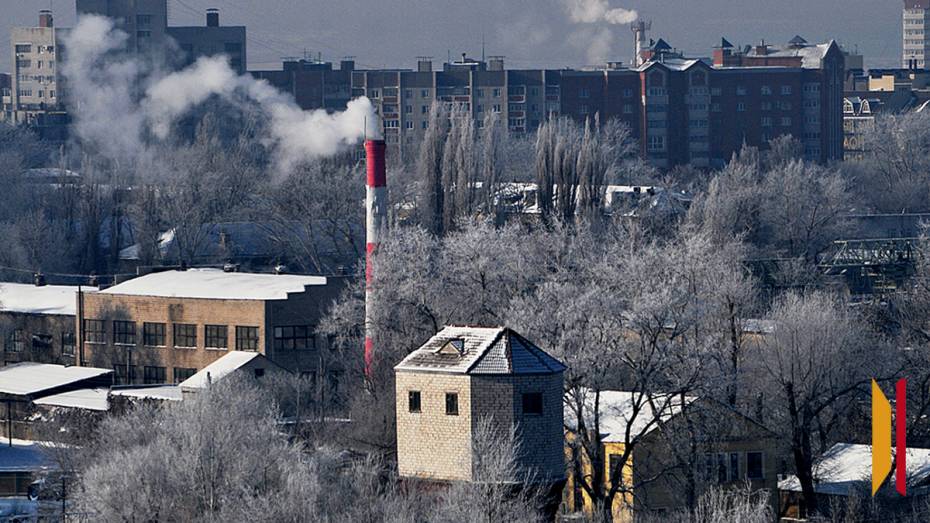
[
  {"x": 6, "y": 98},
  {"x": 166, "y": 326},
  {"x": 36, "y": 97},
  {"x": 37, "y": 323},
  {"x": 314, "y": 84},
  {"x": 145, "y": 22},
  {"x": 210, "y": 40},
  {"x": 465, "y": 378},
  {"x": 694, "y": 111},
  {"x": 37, "y": 94},
  {"x": 916, "y": 38}
]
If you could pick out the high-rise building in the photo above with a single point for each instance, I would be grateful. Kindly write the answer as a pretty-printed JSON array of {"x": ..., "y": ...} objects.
[
  {"x": 210, "y": 40},
  {"x": 916, "y": 37},
  {"x": 144, "y": 21},
  {"x": 35, "y": 96}
]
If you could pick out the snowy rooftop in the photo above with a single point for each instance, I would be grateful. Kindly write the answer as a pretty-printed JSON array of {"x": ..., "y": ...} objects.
[
  {"x": 846, "y": 466},
  {"x": 26, "y": 379},
  {"x": 87, "y": 399},
  {"x": 48, "y": 299},
  {"x": 23, "y": 456},
  {"x": 215, "y": 284},
  {"x": 811, "y": 55},
  {"x": 218, "y": 369},
  {"x": 622, "y": 409},
  {"x": 480, "y": 350},
  {"x": 164, "y": 392}
]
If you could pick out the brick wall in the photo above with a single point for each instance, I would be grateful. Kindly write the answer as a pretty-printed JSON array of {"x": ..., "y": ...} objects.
[
  {"x": 542, "y": 439},
  {"x": 42, "y": 338},
  {"x": 431, "y": 444}
]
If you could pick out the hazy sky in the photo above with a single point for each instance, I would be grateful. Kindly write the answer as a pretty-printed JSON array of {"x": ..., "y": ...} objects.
[{"x": 530, "y": 33}]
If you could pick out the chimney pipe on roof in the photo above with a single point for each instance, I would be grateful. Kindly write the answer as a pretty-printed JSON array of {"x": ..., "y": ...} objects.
[
  {"x": 46, "y": 19},
  {"x": 213, "y": 17},
  {"x": 377, "y": 206}
]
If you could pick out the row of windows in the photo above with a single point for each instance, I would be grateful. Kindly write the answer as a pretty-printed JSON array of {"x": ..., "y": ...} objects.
[
  {"x": 532, "y": 403},
  {"x": 151, "y": 375},
  {"x": 185, "y": 335},
  {"x": 726, "y": 467},
  {"x": 16, "y": 342},
  {"x": 767, "y": 121}
]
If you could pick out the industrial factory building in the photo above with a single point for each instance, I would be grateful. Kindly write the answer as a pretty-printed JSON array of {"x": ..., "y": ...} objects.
[{"x": 164, "y": 327}]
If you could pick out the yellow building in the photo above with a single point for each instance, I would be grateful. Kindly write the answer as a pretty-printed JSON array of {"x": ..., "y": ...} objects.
[{"x": 666, "y": 466}]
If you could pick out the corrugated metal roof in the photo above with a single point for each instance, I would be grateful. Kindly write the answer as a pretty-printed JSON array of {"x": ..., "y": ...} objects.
[{"x": 487, "y": 350}]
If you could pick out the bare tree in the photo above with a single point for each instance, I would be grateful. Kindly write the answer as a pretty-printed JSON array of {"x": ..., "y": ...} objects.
[{"x": 813, "y": 362}]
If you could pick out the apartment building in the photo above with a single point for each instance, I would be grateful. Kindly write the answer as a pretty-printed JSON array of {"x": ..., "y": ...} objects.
[
  {"x": 36, "y": 97},
  {"x": 681, "y": 110},
  {"x": 211, "y": 40},
  {"x": 145, "y": 22},
  {"x": 165, "y": 327},
  {"x": 6, "y": 98},
  {"x": 916, "y": 42},
  {"x": 37, "y": 323}
]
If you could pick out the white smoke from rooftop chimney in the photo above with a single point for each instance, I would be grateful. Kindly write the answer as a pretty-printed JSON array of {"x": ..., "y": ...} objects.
[
  {"x": 597, "y": 41},
  {"x": 593, "y": 11},
  {"x": 111, "y": 114}
]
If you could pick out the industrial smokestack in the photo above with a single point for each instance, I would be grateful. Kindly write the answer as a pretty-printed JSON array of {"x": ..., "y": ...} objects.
[
  {"x": 376, "y": 205},
  {"x": 213, "y": 17}
]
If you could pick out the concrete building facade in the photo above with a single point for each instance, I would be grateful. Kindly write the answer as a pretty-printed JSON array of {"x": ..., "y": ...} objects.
[
  {"x": 916, "y": 42},
  {"x": 165, "y": 327},
  {"x": 463, "y": 376},
  {"x": 210, "y": 40},
  {"x": 36, "y": 97}
]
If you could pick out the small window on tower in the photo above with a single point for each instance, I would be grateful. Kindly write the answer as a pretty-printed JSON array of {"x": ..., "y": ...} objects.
[
  {"x": 452, "y": 404},
  {"x": 413, "y": 401},
  {"x": 533, "y": 403}
]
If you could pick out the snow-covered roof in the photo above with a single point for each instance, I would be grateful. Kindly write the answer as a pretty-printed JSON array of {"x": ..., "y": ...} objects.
[
  {"x": 811, "y": 55},
  {"x": 87, "y": 399},
  {"x": 846, "y": 466},
  {"x": 164, "y": 392},
  {"x": 215, "y": 284},
  {"x": 31, "y": 299},
  {"x": 622, "y": 409},
  {"x": 480, "y": 350},
  {"x": 26, "y": 379},
  {"x": 218, "y": 369},
  {"x": 23, "y": 456}
]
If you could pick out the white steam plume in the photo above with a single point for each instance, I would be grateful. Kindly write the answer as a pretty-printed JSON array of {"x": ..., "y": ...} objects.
[
  {"x": 113, "y": 113},
  {"x": 593, "y": 11},
  {"x": 597, "y": 41}
]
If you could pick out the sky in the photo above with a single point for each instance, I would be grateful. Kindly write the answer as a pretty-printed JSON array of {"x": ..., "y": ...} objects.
[{"x": 529, "y": 33}]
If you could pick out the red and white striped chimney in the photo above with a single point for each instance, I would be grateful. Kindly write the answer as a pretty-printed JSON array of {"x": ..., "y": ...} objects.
[{"x": 377, "y": 207}]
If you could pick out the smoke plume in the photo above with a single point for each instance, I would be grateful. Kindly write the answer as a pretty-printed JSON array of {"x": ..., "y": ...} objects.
[
  {"x": 121, "y": 101},
  {"x": 596, "y": 37},
  {"x": 593, "y": 11}
]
